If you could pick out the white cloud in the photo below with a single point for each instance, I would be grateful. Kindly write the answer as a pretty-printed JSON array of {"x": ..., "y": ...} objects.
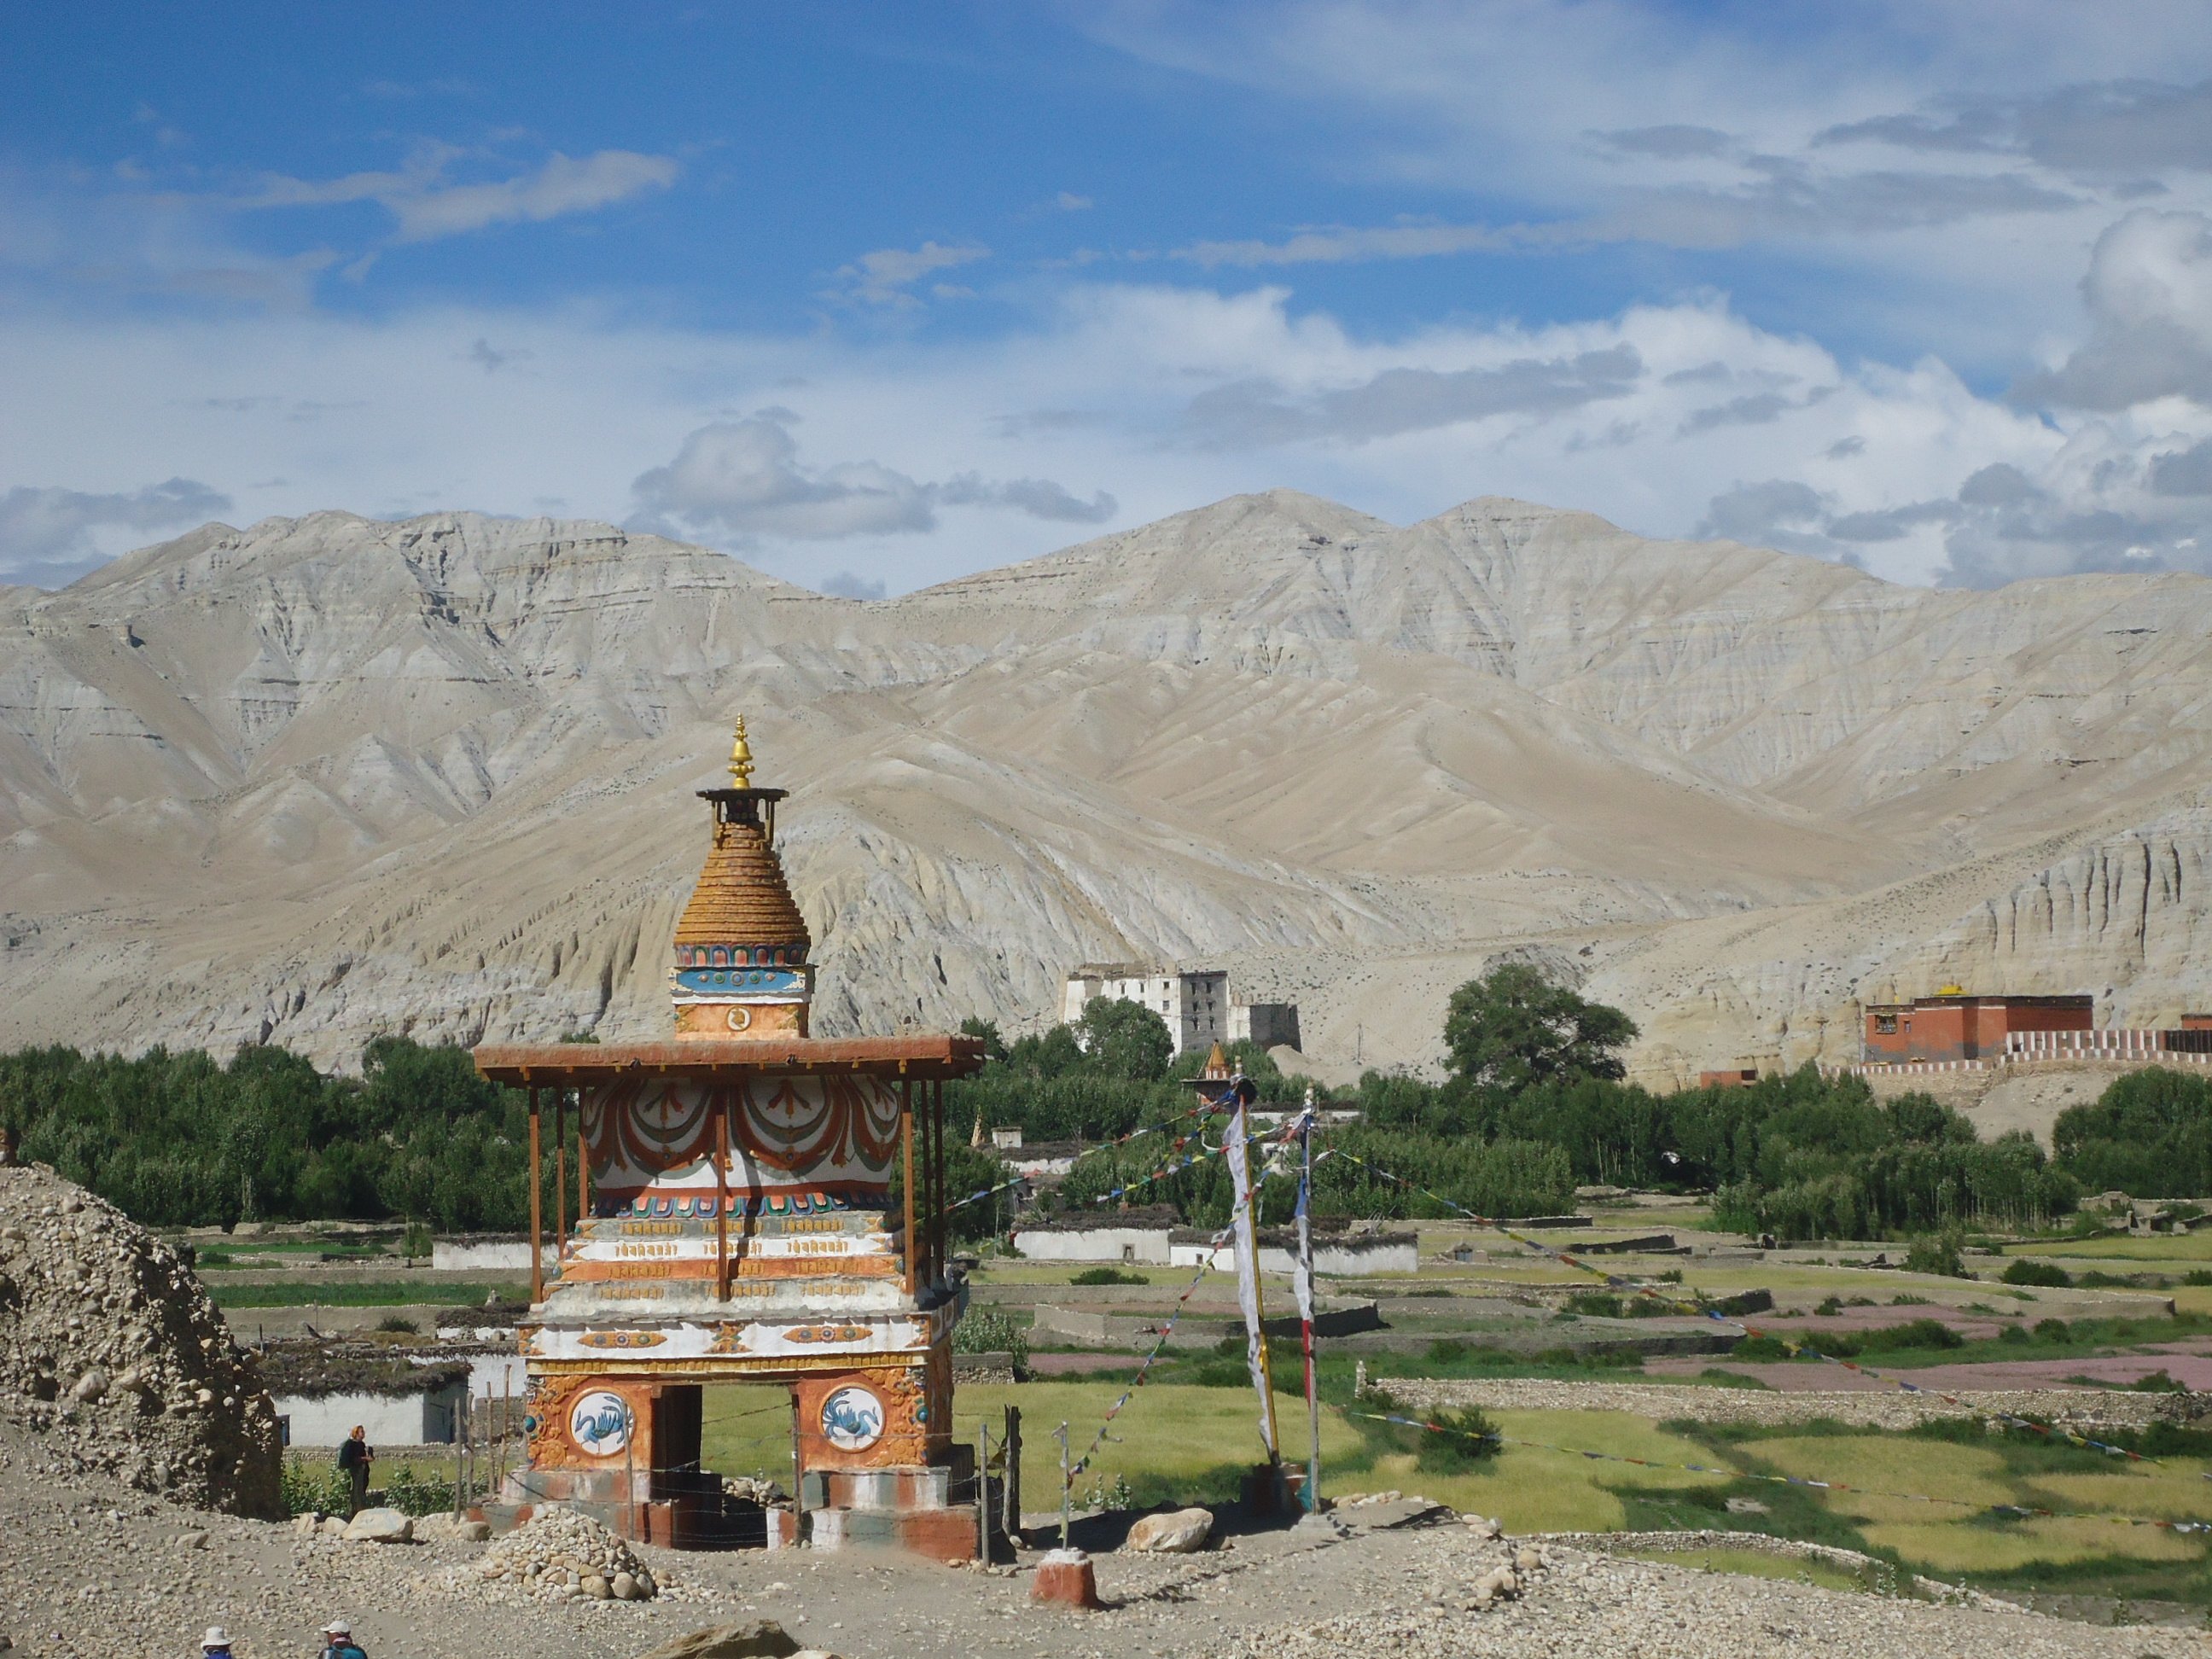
[
  {"x": 428, "y": 203},
  {"x": 1341, "y": 244},
  {"x": 883, "y": 277},
  {"x": 2149, "y": 297},
  {"x": 744, "y": 478},
  {"x": 1721, "y": 133},
  {"x": 915, "y": 459},
  {"x": 1069, "y": 202},
  {"x": 844, "y": 584},
  {"x": 49, "y": 534}
]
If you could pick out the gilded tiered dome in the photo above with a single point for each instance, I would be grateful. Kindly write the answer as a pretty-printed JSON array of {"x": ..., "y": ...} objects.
[
  {"x": 741, "y": 944},
  {"x": 742, "y": 911}
]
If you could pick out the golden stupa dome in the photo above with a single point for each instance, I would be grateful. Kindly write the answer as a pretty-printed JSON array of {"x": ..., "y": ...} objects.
[{"x": 742, "y": 909}]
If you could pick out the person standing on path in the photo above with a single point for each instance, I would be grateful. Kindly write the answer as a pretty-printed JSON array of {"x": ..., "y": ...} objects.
[
  {"x": 354, "y": 1459},
  {"x": 338, "y": 1642}
]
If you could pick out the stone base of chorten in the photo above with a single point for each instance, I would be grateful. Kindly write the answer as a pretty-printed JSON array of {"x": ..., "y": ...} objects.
[{"x": 931, "y": 1510}]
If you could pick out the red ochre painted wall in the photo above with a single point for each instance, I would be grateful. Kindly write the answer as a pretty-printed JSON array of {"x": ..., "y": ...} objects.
[{"x": 1967, "y": 1028}]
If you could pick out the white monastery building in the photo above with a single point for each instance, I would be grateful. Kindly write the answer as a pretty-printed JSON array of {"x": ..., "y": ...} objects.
[{"x": 1194, "y": 1003}]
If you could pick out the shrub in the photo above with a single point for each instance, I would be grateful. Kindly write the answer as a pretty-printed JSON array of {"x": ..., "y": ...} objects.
[
  {"x": 1598, "y": 1304},
  {"x": 315, "y": 1488},
  {"x": 413, "y": 1494},
  {"x": 2025, "y": 1272},
  {"x": 396, "y": 1325},
  {"x": 1829, "y": 1306},
  {"x": 2053, "y": 1330},
  {"x": 1106, "y": 1276},
  {"x": 989, "y": 1331},
  {"x": 1919, "y": 1334},
  {"x": 1459, "y": 1440},
  {"x": 1935, "y": 1253},
  {"x": 1759, "y": 1347},
  {"x": 2013, "y": 1333}
]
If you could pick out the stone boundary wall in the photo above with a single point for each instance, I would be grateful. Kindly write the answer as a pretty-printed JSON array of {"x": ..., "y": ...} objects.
[
  {"x": 1787, "y": 1549},
  {"x": 1875, "y": 1409}
]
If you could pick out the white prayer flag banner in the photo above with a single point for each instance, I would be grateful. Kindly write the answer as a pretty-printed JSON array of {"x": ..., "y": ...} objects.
[{"x": 1248, "y": 1268}]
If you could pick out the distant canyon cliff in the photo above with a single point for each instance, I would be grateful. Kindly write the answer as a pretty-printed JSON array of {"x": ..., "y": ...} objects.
[{"x": 329, "y": 777}]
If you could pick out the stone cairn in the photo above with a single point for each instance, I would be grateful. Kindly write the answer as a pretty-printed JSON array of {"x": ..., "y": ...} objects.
[
  {"x": 559, "y": 1555},
  {"x": 120, "y": 1361}
]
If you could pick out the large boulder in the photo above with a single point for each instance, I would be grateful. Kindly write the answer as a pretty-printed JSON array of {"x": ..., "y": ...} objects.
[
  {"x": 1175, "y": 1533},
  {"x": 381, "y": 1527},
  {"x": 754, "y": 1638},
  {"x": 119, "y": 1358}
]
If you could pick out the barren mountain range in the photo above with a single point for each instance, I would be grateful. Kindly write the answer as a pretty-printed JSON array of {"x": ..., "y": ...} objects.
[{"x": 329, "y": 776}]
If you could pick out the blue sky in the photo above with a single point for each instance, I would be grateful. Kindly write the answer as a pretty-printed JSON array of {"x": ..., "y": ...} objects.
[{"x": 874, "y": 296}]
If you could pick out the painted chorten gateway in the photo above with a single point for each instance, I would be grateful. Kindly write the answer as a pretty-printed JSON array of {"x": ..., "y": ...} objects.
[{"x": 733, "y": 1222}]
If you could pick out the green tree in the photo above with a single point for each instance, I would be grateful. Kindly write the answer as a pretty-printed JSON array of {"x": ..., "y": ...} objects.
[
  {"x": 1514, "y": 1027},
  {"x": 994, "y": 1046},
  {"x": 1125, "y": 1039}
]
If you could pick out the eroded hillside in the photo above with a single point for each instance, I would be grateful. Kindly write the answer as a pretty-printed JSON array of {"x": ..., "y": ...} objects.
[{"x": 330, "y": 776}]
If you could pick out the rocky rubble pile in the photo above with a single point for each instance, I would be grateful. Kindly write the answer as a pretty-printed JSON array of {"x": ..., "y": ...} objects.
[
  {"x": 560, "y": 1555},
  {"x": 122, "y": 1363}
]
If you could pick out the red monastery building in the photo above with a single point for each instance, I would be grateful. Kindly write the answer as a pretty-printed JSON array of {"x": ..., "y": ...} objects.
[
  {"x": 733, "y": 1222},
  {"x": 1953, "y": 1025}
]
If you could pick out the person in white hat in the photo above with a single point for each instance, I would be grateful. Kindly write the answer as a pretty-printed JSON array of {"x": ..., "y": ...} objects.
[
  {"x": 338, "y": 1642},
  {"x": 216, "y": 1645}
]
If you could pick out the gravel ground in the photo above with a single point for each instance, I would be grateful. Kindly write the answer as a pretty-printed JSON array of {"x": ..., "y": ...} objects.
[
  {"x": 128, "y": 1572},
  {"x": 1894, "y": 1409},
  {"x": 1585, "y": 1605}
]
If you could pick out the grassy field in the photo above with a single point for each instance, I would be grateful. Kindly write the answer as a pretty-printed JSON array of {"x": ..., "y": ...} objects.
[
  {"x": 1924, "y": 1500},
  {"x": 2183, "y": 1250},
  {"x": 1193, "y": 1445}
]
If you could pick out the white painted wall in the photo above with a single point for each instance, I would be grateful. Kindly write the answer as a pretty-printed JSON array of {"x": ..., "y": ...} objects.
[
  {"x": 488, "y": 1255},
  {"x": 1195, "y": 1004},
  {"x": 416, "y": 1419},
  {"x": 1142, "y": 1244},
  {"x": 1346, "y": 1261}
]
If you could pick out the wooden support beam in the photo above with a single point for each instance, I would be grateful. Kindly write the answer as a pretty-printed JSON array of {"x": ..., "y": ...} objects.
[
  {"x": 909, "y": 1243},
  {"x": 537, "y": 1208},
  {"x": 583, "y": 1168},
  {"x": 561, "y": 1175},
  {"x": 722, "y": 1200},
  {"x": 937, "y": 1178}
]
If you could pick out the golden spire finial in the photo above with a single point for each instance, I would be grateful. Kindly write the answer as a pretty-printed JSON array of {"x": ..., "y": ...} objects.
[{"x": 741, "y": 759}]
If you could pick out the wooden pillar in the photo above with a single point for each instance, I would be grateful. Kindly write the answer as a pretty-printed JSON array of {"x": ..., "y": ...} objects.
[
  {"x": 537, "y": 1208},
  {"x": 722, "y": 1199},
  {"x": 583, "y": 1168},
  {"x": 936, "y": 1088},
  {"x": 561, "y": 1175},
  {"x": 910, "y": 1244}
]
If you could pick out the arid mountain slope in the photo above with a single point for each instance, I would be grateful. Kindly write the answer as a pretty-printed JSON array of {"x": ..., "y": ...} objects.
[{"x": 329, "y": 776}]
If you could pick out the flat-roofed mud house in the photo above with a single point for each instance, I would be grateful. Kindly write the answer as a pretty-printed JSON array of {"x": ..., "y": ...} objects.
[{"x": 733, "y": 1222}]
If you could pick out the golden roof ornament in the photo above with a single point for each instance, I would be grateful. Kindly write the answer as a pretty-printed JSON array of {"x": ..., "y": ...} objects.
[{"x": 741, "y": 759}]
